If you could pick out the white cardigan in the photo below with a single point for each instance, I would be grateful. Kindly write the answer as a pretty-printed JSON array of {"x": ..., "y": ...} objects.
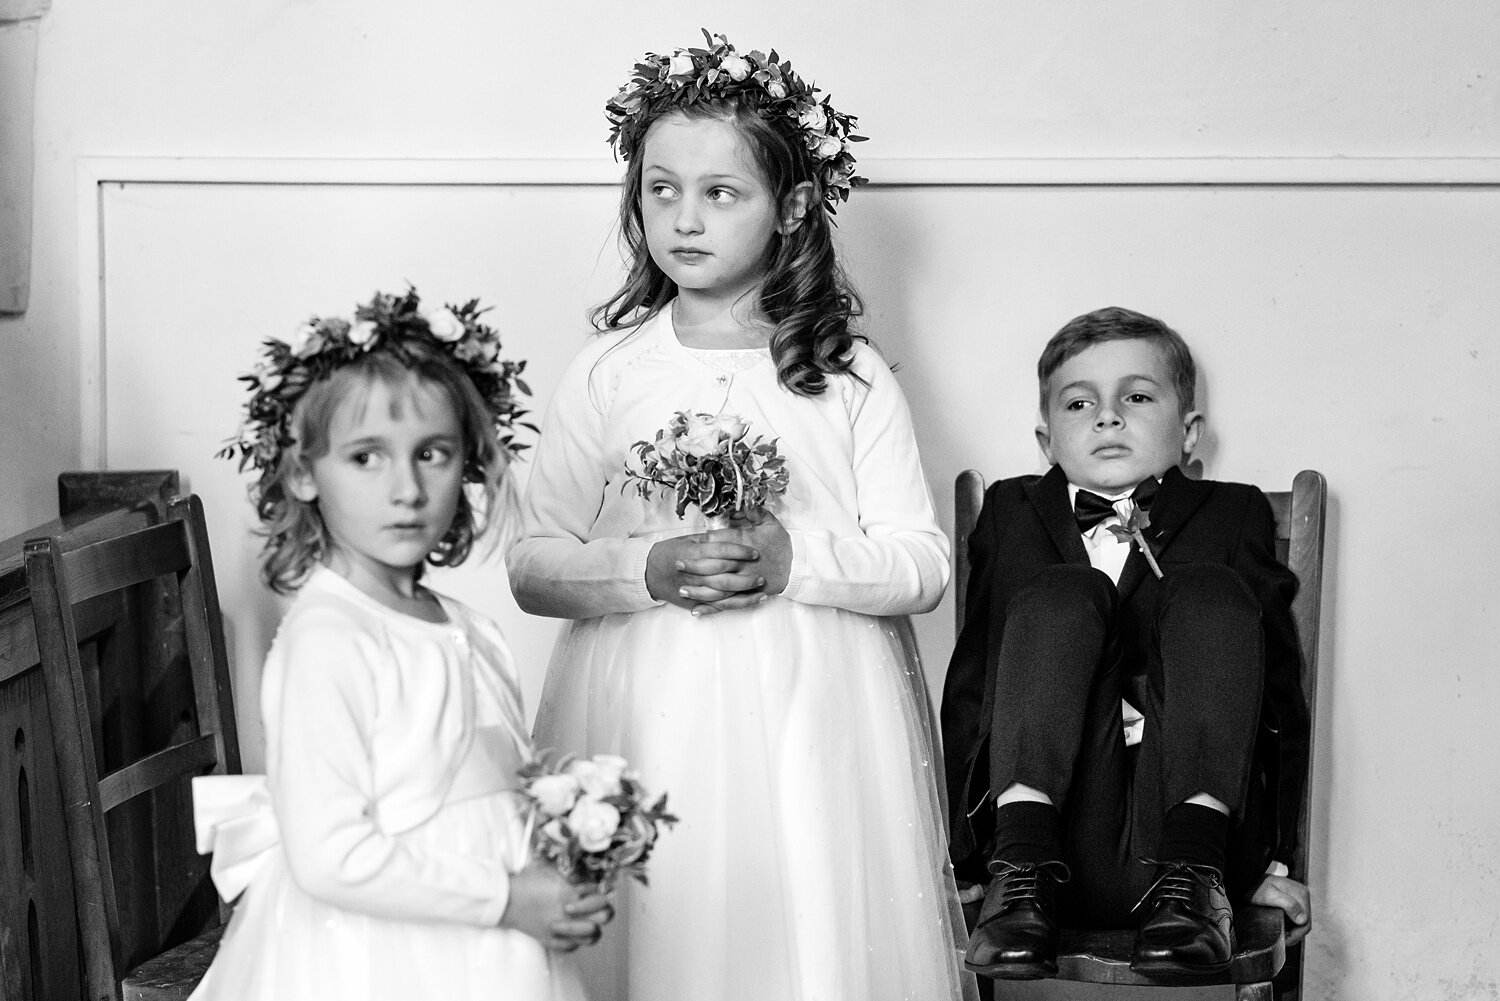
[
  {"x": 858, "y": 509},
  {"x": 369, "y": 714}
]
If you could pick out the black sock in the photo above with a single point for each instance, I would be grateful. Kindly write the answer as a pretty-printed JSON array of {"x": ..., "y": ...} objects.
[
  {"x": 1028, "y": 833},
  {"x": 1195, "y": 834}
]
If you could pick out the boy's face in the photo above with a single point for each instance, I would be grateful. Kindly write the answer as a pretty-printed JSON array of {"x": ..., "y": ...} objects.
[{"x": 1113, "y": 417}]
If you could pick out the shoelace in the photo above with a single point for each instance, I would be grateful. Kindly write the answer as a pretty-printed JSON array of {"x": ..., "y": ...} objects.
[
  {"x": 1176, "y": 882},
  {"x": 1023, "y": 880}
]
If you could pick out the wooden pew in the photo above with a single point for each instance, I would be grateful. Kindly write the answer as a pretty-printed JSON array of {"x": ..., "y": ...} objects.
[{"x": 38, "y": 926}]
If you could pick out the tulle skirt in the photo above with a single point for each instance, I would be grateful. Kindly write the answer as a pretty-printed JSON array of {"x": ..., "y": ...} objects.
[
  {"x": 795, "y": 743},
  {"x": 284, "y": 945}
]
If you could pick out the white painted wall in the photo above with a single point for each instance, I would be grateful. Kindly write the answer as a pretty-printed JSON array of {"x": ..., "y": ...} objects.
[{"x": 1347, "y": 329}]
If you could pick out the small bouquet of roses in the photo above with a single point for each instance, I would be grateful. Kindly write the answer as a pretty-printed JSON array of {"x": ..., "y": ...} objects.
[
  {"x": 709, "y": 461},
  {"x": 592, "y": 818}
]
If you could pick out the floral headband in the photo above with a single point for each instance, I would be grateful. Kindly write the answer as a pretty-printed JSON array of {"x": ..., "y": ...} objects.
[
  {"x": 390, "y": 323},
  {"x": 720, "y": 72}
]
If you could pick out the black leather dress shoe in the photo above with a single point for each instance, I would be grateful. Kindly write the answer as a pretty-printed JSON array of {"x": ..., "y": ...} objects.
[
  {"x": 1016, "y": 935},
  {"x": 1188, "y": 928}
]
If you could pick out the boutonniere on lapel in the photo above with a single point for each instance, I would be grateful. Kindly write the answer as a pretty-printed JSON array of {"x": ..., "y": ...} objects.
[{"x": 1134, "y": 520}]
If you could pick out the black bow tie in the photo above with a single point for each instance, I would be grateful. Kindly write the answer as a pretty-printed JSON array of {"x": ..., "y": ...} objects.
[{"x": 1089, "y": 509}]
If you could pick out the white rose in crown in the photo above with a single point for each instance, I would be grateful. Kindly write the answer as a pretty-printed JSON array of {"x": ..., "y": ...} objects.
[
  {"x": 681, "y": 65},
  {"x": 738, "y": 67},
  {"x": 307, "y": 339},
  {"x": 444, "y": 325},
  {"x": 594, "y": 780},
  {"x": 829, "y": 147},
  {"x": 361, "y": 332},
  {"x": 701, "y": 437},
  {"x": 814, "y": 118},
  {"x": 556, "y": 793},
  {"x": 776, "y": 89},
  {"x": 594, "y": 823}
]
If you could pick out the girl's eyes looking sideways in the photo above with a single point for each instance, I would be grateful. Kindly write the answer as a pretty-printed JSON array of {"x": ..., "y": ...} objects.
[{"x": 662, "y": 191}]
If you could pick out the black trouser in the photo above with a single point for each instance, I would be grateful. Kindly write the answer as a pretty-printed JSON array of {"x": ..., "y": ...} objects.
[{"x": 1186, "y": 651}]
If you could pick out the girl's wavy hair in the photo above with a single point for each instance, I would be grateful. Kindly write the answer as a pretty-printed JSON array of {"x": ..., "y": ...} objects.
[
  {"x": 296, "y": 538},
  {"x": 806, "y": 293}
]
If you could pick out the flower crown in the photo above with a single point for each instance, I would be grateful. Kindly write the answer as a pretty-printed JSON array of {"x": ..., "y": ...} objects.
[
  {"x": 721, "y": 73},
  {"x": 391, "y": 323}
]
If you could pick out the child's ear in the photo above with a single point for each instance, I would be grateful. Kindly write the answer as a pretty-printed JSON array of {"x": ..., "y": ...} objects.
[
  {"x": 1192, "y": 428},
  {"x": 794, "y": 208},
  {"x": 1044, "y": 439},
  {"x": 300, "y": 483}
]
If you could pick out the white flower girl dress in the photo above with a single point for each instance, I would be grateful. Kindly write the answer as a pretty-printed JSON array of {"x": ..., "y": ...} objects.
[{"x": 374, "y": 854}]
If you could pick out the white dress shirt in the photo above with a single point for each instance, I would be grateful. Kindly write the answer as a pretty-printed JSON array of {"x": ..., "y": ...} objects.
[{"x": 1108, "y": 552}]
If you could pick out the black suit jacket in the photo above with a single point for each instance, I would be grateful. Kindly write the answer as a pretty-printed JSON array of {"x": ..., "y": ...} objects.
[{"x": 1026, "y": 524}]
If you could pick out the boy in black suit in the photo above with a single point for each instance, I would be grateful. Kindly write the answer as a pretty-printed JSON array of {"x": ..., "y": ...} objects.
[{"x": 1125, "y": 729}]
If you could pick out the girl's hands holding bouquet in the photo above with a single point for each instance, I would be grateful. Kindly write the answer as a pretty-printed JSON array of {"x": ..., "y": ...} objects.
[
  {"x": 770, "y": 538},
  {"x": 710, "y": 462},
  {"x": 723, "y": 569},
  {"x": 557, "y": 913},
  {"x": 698, "y": 572}
]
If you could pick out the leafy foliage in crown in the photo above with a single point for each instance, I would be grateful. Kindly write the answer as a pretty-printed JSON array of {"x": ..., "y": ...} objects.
[
  {"x": 396, "y": 325},
  {"x": 767, "y": 83}
]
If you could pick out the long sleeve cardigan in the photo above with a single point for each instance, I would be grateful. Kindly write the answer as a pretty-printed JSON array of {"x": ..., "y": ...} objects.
[{"x": 858, "y": 510}]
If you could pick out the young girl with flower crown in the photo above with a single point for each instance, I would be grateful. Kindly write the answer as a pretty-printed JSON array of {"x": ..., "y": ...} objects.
[
  {"x": 766, "y": 672},
  {"x": 383, "y": 855}
]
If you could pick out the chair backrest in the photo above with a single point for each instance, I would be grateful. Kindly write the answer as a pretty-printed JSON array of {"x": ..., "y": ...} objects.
[
  {"x": 1301, "y": 516},
  {"x": 111, "y": 816}
]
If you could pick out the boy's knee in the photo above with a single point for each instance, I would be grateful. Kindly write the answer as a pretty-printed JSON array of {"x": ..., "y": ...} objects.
[
  {"x": 1064, "y": 592},
  {"x": 1209, "y": 586}
]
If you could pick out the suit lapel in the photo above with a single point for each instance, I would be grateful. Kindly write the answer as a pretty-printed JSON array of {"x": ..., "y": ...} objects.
[
  {"x": 1049, "y": 497},
  {"x": 1177, "y": 500}
]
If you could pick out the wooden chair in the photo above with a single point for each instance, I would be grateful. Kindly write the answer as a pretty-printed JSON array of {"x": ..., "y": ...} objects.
[
  {"x": 38, "y": 923},
  {"x": 129, "y": 911},
  {"x": 1263, "y": 966}
]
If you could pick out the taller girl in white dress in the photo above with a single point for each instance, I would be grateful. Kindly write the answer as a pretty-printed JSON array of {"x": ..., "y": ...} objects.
[
  {"x": 383, "y": 856},
  {"x": 763, "y": 675}
]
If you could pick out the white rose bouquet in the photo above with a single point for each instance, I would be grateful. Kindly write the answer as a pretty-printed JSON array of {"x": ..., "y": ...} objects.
[
  {"x": 592, "y": 818},
  {"x": 708, "y": 460}
]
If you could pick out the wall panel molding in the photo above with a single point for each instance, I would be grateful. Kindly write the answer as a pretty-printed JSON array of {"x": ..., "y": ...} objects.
[{"x": 94, "y": 174}]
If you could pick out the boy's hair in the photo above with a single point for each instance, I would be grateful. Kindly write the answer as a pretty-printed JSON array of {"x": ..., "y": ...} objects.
[
  {"x": 1115, "y": 323},
  {"x": 296, "y": 538},
  {"x": 806, "y": 292}
]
